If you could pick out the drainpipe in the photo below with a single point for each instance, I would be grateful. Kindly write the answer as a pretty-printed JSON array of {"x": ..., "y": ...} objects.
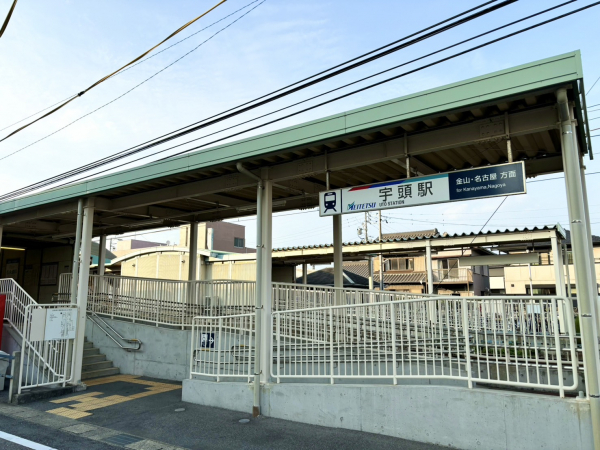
[
  {"x": 258, "y": 306},
  {"x": 586, "y": 292},
  {"x": 76, "y": 250}
]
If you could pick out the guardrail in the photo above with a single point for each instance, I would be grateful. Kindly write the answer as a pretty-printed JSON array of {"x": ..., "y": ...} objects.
[
  {"x": 457, "y": 274},
  {"x": 43, "y": 362},
  {"x": 223, "y": 346},
  {"x": 164, "y": 302},
  {"x": 288, "y": 296},
  {"x": 514, "y": 341}
]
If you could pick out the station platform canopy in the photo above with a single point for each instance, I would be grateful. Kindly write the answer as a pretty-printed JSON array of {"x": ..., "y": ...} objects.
[{"x": 457, "y": 126}]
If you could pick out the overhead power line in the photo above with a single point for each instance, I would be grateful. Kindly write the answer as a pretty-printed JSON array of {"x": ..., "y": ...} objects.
[
  {"x": 183, "y": 27},
  {"x": 67, "y": 175},
  {"x": 142, "y": 61},
  {"x": 294, "y": 87},
  {"x": 140, "y": 83},
  {"x": 10, "y": 12},
  {"x": 163, "y": 139},
  {"x": 590, "y": 89}
]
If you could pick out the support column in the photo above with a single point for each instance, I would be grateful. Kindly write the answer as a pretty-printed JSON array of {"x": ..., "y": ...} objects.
[
  {"x": 559, "y": 277},
  {"x": 428, "y": 265},
  {"x": 267, "y": 278},
  {"x": 76, "y": 251},
  {"x": 370, "y": 262},
  {"x": 101, "y": 254},
  {"x": 304, "y": 273},
  {"x": 1, "y": 232},
  {"x": 585, "y": 289},
  {"x": 82, "y": 292},
  {"x": 192, "y": 260},
  {"x": 596, "y": 304},
  {"x": 338, "y": 257}
]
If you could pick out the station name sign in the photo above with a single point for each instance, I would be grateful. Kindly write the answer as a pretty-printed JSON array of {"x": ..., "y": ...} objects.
[{"x": 491, "y": 181}]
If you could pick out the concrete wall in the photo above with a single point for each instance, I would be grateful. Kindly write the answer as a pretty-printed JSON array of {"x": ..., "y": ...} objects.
[
  {"x": 165, "y": 352},
  {"x": 443, "y": 415}
]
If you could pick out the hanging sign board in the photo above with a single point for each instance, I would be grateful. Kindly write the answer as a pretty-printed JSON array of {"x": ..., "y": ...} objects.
[{"x": 491, "y": 181}]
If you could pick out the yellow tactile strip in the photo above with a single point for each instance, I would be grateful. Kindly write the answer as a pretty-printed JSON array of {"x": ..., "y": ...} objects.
[{"x": 91, "y": 400}]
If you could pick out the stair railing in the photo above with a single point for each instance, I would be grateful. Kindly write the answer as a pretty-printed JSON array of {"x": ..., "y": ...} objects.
[{"x": 105, "y": 327}]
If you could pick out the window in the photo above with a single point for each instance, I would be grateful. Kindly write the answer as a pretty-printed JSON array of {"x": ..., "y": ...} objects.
[
  {"x": 400, "y": 264},
  {"x": 238, "y": 242}
]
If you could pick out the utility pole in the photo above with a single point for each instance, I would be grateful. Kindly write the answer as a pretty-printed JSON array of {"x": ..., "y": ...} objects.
[
  {"x": 380, "y": 256},
  {"x": 366, "y": 227}
]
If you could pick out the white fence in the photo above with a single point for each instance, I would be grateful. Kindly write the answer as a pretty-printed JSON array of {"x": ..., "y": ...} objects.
[
  {"x": 43, "y": 362},
  {"x": 288, "y": 296},
  {"x": 501, "y": 340},
  {"x": 223, "y": 346},
  {"x": 164, "y": 302}
]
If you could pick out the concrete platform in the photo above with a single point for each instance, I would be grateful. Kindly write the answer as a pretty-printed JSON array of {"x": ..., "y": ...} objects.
[{"x": 442, "y": 415}]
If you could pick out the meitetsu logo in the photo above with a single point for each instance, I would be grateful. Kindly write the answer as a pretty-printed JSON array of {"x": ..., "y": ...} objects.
[{"x": 354, "y": 207}]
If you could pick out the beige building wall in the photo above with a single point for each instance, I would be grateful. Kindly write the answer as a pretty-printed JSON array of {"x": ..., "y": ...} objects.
[{"x": 516, "y": 278}]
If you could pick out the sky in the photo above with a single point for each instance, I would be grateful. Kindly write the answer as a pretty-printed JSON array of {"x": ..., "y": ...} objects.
[{"x": 52, "y": 50}]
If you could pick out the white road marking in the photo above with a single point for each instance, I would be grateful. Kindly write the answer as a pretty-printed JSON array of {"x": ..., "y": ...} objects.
[{"x": 23, "y": 442}]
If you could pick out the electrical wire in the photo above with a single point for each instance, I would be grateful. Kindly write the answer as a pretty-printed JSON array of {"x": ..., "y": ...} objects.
[
  {"x": 162, "y": 139},
  {"x": 137, "y": 85},
  {"x": 69, "y": 174},
  {"x": 113, "y": 73},
  {"x": 590, "y": 89},
  {"x": 143, "y": 60},
  {"x": 10, "y": 12}
]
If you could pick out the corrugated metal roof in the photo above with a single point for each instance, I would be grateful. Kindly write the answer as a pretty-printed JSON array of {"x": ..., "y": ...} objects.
[
  {"x": 504, "y": 84},
  {"x": 438, "y": 236}
]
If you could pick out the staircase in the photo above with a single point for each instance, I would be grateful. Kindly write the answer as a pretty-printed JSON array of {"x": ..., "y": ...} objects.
[{"x": 95, "y": 364}]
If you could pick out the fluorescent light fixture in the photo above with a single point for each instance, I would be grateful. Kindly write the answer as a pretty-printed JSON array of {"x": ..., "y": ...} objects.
[{"x": 13, "y": 248}]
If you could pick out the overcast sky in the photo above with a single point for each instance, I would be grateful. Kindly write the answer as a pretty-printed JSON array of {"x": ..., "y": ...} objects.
[{"x": 52, "y": 50}]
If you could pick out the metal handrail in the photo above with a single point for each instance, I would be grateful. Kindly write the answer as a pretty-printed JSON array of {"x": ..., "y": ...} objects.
[{"x": 92, "y": 314}]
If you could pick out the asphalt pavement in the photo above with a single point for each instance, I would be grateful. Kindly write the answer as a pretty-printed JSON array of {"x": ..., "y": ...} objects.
[{"x": 162, "y": 421}]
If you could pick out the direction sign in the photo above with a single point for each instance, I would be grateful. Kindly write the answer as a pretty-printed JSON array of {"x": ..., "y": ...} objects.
[
  {"x": 207, "y": 340},
  {"x": 491, "y": 181}
]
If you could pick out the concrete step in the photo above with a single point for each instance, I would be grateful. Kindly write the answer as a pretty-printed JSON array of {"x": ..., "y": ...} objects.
[
  {"x": 87, "y": 345},
  {"x": 97, "y": 365},
  {"x": 100, "y": 373},
  {"x": 90, "y": 352},
  {"x": 93, "y": 359}
]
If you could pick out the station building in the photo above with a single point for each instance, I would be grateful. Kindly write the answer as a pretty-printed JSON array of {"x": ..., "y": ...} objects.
[{"x": 419, "y": 366}]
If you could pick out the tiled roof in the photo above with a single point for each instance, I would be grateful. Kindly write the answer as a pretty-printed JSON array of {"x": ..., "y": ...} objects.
[
  {"x": 438, "y": 236},
  {"x": 412, "y": 234},
  {"x": 361, "y": 268}
]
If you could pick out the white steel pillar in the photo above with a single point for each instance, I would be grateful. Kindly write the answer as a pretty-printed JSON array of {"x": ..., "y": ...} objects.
[
  {"x": 266, "y": 278},
  {"x": 101, "y": 254},
  {"x": 428, "y": 264},
  {"x": 586, "y": 295},
  {"x": 76, "y": 251},
  {"x": 559, "y": 276},
  {"x": 192, "y": 260},
  {"x": 338, "y": 256},
  {"x": 82, "y": 292},
  {"x": 304, "y": 273},
  {"x": 590, "y": 247},
  {"x": 557, "y": 262}
]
